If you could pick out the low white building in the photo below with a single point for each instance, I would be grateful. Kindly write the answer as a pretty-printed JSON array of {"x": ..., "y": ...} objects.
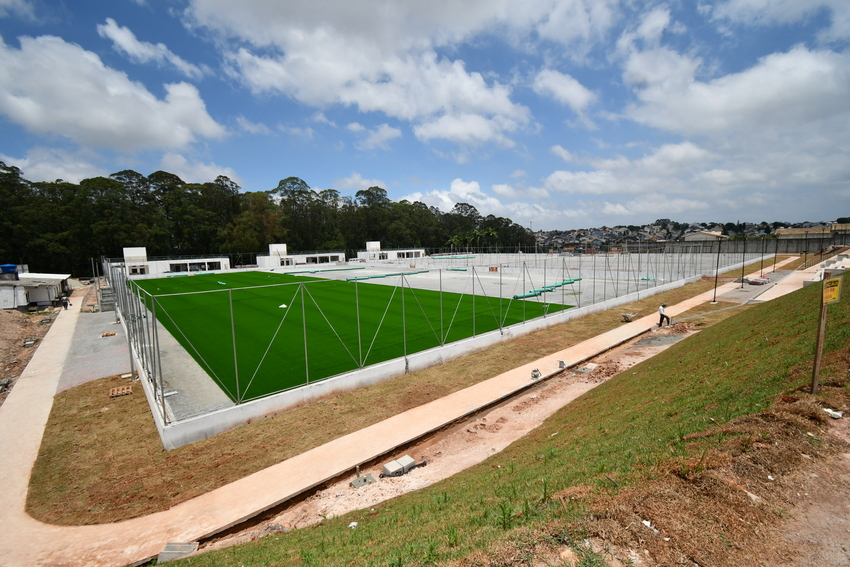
[
  {"x": 373, "y": 253},
  {"x": 278, "y": 256},
  {"x": 32, "y": 289},
  {"x": 137, "y": 263}
]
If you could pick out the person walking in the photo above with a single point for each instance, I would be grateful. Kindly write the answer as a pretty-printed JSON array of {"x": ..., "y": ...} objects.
[
  {"x": 663, "y": 316},
  {"x": 65, "y": 302}
]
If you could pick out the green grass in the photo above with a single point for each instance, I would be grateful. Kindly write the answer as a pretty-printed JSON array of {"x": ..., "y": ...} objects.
[
  {"x": 629, "y": 429},
  {"x": 345, "y": 326}
]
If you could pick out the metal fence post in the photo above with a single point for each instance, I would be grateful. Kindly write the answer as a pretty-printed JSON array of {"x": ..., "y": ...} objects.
[
  {"x": 233, "y": 336},
  {"x": 304, "y": 324}
]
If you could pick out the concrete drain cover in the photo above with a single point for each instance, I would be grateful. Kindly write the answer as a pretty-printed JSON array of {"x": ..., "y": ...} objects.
[
  {"x": 176, "y": 551},
  {"x": 362, "y": 481},
  {"x": 589, "y": 367},
  {"x": 659, "y": 340}
]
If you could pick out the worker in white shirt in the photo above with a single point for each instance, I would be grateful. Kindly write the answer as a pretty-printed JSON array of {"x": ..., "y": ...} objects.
[{"x": 663, "y": 316}]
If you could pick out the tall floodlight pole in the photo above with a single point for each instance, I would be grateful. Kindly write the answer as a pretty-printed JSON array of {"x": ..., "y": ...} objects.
[
  {"x": 638, "y": 274},
  {"x": 806, "y": 250},
  {"x": 716, "y": 270},
  {"x": 743, "y": 261},
  {"x": 775, "y": 252}
]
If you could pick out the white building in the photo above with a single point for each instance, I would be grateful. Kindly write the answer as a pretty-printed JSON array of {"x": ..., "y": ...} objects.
[
  {"x": 138, "y": 264},
  {"x": 278, "y": 256},
  {"x": 373, "y": 253},
  {"x": 31, "y": 289}
]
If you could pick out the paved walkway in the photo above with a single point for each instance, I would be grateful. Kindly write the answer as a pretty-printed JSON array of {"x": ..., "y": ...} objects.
[{"x": 26, "y": 542}]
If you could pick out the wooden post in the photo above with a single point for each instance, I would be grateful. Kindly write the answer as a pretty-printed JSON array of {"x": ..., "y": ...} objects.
[{"x": 831, "y": 293}]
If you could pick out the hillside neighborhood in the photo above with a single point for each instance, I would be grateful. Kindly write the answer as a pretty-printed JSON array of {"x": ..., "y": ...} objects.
[{"x": 606, "y": 238}]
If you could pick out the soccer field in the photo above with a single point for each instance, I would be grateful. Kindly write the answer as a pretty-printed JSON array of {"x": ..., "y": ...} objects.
[{"x": 259, "y": 333}]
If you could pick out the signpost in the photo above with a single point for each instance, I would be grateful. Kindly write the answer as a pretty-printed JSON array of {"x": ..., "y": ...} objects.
[{"x": 831, "y": 294}]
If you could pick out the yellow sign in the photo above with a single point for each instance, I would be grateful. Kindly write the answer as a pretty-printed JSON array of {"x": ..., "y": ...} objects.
[{"x": 831, "y": 290}]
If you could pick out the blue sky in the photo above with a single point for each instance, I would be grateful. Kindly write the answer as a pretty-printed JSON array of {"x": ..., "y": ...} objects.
[{"x": 555, "y": 113}]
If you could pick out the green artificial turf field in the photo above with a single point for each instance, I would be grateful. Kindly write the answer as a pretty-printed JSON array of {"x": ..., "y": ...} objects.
[{"x": 346, "y": 325}]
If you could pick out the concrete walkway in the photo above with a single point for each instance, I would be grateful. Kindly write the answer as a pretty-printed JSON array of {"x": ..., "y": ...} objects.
[{"x": 26, "y": 542}]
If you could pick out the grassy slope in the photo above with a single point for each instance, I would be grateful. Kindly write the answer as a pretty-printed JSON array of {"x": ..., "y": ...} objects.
[{"x": 623, "y": 430}]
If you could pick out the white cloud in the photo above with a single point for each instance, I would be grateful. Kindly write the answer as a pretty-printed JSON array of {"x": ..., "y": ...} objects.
[
  {"x": 461, "y": 191},
  {"x": 520, "y": 192},
  {"x": 467, "y": 129},
  {"x": 196, "y": 172},
  {"x": 505, "y": 191},
  {"x": 379, "y": 137},
  {"x": 671, "y": 167},
  {"x": 518, "y": 174},
  {"x": 768, "y": 12},
  {"x": 564, "y": 89},
  {"x": 563, "y": 153},
  {"x": 779, "y": 126},
  {"x": 50, "y": 164},
  {"x": 51, "y": 86},
  {"x": 322, "y": 119},
  {"x": 297, "y": 131},
  {"x": 578, "y": 24},
  {"x": 125, "y": 41},
  {"x": 252, "y": 127},
  {"x": 658, "y": 204},
  {"x": 355, "y": 127},
  {"x": 358, "y": 182},
  {"x": 384, "y": 60},
  {"x": 19, "y": 7},
  {"x": 780, "y": 94}
]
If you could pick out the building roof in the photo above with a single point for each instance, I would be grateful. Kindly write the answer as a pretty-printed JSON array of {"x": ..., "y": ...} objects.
[
  {"x": 802, "y": 232},
  {"x": 702, "y": 234},
  {"x": 34, "y": 279}
]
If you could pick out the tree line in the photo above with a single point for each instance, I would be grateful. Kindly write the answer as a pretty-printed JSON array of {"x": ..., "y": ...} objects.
[{"x": 60, "y": 226}]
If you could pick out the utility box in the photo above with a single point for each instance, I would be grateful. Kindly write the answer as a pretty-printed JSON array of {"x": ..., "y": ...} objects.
[
  {"x": 406, "y": 463},
  {"x": 393, "y": 468}
]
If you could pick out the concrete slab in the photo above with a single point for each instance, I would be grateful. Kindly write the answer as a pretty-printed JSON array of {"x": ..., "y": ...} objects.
[
  {"x": 92, "y": 356},
  {"x": 176, "y": 551}
]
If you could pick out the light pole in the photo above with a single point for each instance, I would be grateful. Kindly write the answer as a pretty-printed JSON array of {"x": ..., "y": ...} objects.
[
  {"x": 743, "y": 261},
  {"x": 775, "y": 251},
  {"x": 716, "y": 271},
  {"x": 806, "y": 250}
]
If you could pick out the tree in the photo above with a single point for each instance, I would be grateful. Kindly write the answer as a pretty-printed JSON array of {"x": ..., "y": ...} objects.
[
  {"x": 257, "y": 226},
  {"x": 15, "y": 194},
  {"x": 374, "y": 207}
]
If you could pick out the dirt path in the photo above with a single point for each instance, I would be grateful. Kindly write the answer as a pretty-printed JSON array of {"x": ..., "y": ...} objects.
[
  {"x": 20, "y": 335},
  {"x": 466, "y": 444},
  {"x": 818, "y": 529}
]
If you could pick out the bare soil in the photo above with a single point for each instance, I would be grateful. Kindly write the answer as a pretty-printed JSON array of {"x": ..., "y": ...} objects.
[{"x": 17, "y": 330}]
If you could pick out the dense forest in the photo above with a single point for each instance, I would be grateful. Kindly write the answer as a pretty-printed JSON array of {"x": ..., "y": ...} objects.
[{"x": 59, "y": 226}]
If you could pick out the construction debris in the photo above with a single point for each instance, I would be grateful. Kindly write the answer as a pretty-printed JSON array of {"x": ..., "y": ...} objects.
[{"x": 120, "y": 391}]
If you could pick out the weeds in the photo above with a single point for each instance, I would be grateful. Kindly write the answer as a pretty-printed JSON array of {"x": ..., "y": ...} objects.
[{"x": 505, "y": 515}]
